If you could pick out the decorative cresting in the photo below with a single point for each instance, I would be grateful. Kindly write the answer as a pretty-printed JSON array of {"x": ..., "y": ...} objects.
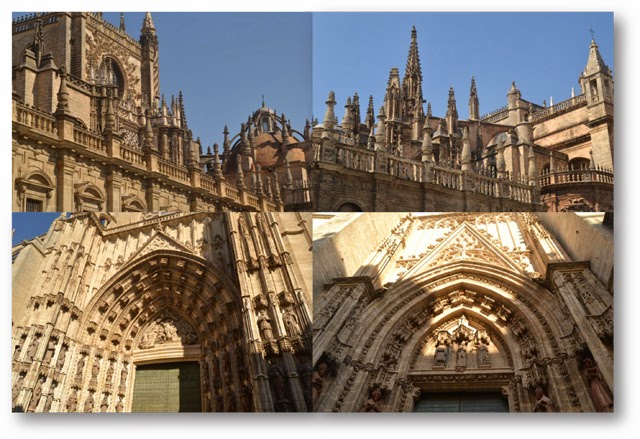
[
  {"x": 166, "y": 305},
  {"x": 504, "y": 332}
]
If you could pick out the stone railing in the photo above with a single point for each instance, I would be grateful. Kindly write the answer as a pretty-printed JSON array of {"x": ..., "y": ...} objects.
[
  {"x": 495, "y": 115},
  {"x": 299, "y": 193},
  {"x": 561, "y": 106},
  {"x": 232, "y": 193},
  {"x": 447, "y": 177},
  {"x": 133, "y": 156},
  {"x": 253, "y": 201},
  {"x": 89, "y": 139},
  {"x": 405, "y": 169},
  {"x": 577, "y": 176},
  {"x": 356, "y": 158},
  {"x": 517, "y": 191},
  {"x": 35, "y": 119},
  {"x": 482, "y": 184},
  {"x": 209, "y": 184},
  {"x": 173, "y": 171}
]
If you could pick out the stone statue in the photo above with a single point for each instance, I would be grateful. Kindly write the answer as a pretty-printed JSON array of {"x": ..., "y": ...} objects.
[
  {"x": 51, "y": 347},
  {"x": 61, "y": 356},
  {"x": 88, "y": 404},
  {"x": 264, "y": 323},
  {"x": 72, "y": 401},
  {"x": 543, "y": 402},
  {"x": 15, "y": 391},
  {"x": 80, "y": 366},
  {"x": 246, "y": 398},
  {"x": 461, "y": 359},
  {"x": 483, "y": 355},
  {"x": 95, "y": 369},
  {"x": 123, "y": 375},
  {"x": 291, "y": 323},
  {"x": 104, "y": 406},
  {"x": 440, "y": 357},
  {"x": 37, "y": 393},
  {"x": 31, "y": 350},
  {"x": 119, "y": 406},
  {"x": 600, "y": 394},
  {"x": 110, "y": 372},
  {"x": 317, "y": 380},
  {"x": 230, "y": 401},
  {"x": 277, "y": 377},
  {"x": 373, "y": 404}
]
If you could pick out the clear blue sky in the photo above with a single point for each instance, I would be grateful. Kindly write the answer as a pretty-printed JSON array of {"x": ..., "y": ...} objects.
[
  {"x": 543, "y": 52},
  {"x": 29, "y": 225}
]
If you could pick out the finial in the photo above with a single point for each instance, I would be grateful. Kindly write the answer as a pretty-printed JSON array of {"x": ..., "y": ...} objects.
[{"x": 122, "y": 25}]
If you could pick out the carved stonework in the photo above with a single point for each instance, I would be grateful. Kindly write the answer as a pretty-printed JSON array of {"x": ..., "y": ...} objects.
[{"x": 165, "y": 329}]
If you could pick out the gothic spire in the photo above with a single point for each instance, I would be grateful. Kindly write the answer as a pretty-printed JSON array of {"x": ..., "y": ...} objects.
[
  {"x": 147, "y": 23},
  {"x": 413, "y": 69},
  {"x": 595, "y": 63},
  {"x": 183, "y": 116},
  {"x": 370, "y": 119},
  {"x": 122, "y": 25},
  {"x": 451, "y": 104},
  {"x": 37, "y": 47},
  {"x": 474, "y": 102}
]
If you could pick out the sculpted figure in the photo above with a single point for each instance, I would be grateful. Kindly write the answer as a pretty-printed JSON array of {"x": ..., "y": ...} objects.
[
  {"x": 80, "y": 366},
  {"x": 373, "y": 404},
  {"x": 31, "y": 350},
  {"x": 123, "y": 375},
  {"x": 104, "y": 406},
  {"x": 246, "y": 398},
  {"x": 15, "y": 391},
  {"x": 37, "y": 393},
  {"x": 51, "y": 347},
  {"x": 291, "y": 323},
  {"x": 600, "y": 394},
  {"x": 110, "y": 372},
  {"x": 119, "y": 406},
  {"x": 440, "y": 358},
  {"x": 276, "y": 376},
  {"x": 317, "y": 380},
  {"x": 72, "y": 401},
  {"x": 61, "y": 357},
  {"x": 264, "y": 323},
  {"x": 543, "y": 402},
  {"x": 483, "y": 355},
  {"x": 95, "y": 369},
  {"x": 88, "y": 404}
]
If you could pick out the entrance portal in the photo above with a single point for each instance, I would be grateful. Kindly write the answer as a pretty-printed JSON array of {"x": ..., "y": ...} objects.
[
  {"x": 167, "y": 387},
  {"x": 462, "y": 402}
]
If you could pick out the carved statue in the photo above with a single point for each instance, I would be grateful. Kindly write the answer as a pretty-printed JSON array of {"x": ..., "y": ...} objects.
[
  {"x": 18, "y": 348},
  {"x": 95, "y": 369},
  {"x": 15, "y": 391},
  {"x": 51, "y": 347},
  {"x": 291, "y": 323},
  {"x": 88, "y": 404},
  {"x": 600, "y": 394},
  {"x": 31, "y": 350},
  {"x": 104, "y": 406},
  {"x": 317, "y": 380},
  {"x": 123, "y": 375},
  {"x": 246, "y": 398},
  {"x": 277, "y": 378},
  {"x": 72, "y": 401},
  {"x": 119, "y": 406},
  {"x": 461, "y": 359},
  {"x": 373, "y": 404},
  {"x": 543, "y": 402},
  {"x": 110, "y": 371},
  {"x": 440, "y": 357},
  {"x": 61, "y": 356},
  {"x": 230, "y": 401},
  {"x": 264, "y": 323},
  {"x": 37, "y": 393},
  {"x": 80, "y": 366},
  {"x": 483, "y": 355}
]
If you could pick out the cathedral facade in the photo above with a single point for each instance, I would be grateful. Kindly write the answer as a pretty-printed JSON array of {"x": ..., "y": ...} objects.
[
  {"x": 92, "y": 130},
  {"x": 524, "y": 156},
  {"x": 462, "y": 312},
  {"x": 199, "y": 312}
]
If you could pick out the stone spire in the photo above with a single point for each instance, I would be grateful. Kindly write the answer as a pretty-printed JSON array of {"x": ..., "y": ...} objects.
[
  {"x": 347, "y": 120},
  {"x": 465, "y": 156},
  {"x": 427, "y": 144},
  {"x": 258, "y": 185},
  {"x": 533, "y": 170},
  {"x": 111, "y": 115},
  {"x": 37, "y": 47},
  {"x": 370, "y": 119},
  {"x": 286, "y": 138},
  {"x": 226, "y": 145},
  {"x": 240, "y": 175},
  {"x": 381, "y": 130},
  {"x": 123, "y": 28},
  {"x": 217, "y": 168},
  {"x": 595, "y": 63},
  {"x": 148, "y": 133},
  {"x": 183, "y": 116},
  {"x": 355, "y": 112},
  {"x": 500, "y": 163},
  {"x": 412, "y": 81},
  {"x": 147, "y": 23},
  {"x": 330, "y": 116},
  {"x": 452, "y": 112},
  {"x": 63, "y": 94},
  {"x": 474, "y": 102}
]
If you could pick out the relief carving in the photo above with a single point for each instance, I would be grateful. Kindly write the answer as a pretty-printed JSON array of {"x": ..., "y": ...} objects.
[{"x": 168, "y": 328}]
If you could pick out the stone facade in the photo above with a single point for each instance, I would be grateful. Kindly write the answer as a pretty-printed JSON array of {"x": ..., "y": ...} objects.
[
  {"x": 92, "y": 131},
  {"x": 522, "y": 157},
  {"x": 462, "y": 303},
  {"x": 98, "y": 296}
]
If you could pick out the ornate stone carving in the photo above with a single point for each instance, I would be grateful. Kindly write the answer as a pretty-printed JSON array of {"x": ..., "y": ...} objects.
[
  {"x": 374, "y": 403},
  {"x": 542, "y": 402},
  {"x": 165, "y": 329},
  {"x": 600, "y": 394}
]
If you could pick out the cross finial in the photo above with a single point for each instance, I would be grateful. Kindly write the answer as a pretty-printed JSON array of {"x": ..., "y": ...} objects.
[{"x": 592, "y": 32}]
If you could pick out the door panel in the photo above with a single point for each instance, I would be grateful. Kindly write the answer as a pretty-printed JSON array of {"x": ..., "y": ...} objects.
[{"x": 167, "y": 387}]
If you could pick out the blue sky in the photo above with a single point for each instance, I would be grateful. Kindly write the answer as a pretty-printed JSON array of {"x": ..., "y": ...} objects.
[
  {"x": 543, "y": 52},
  {"x": 30, "y": 225}
]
